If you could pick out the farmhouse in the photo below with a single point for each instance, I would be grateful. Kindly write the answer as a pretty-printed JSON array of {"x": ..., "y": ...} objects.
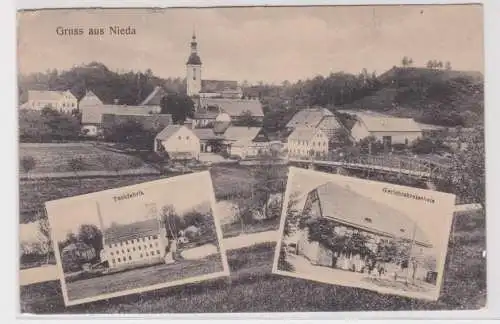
[
  {"x": 389, "y": 130},
  {"x": 142, "y": 242},
  {"x": 63, "y": 101},
  {"x": 352, "y": 213},
  {"x": 307, "y": 142},
  {"x": 235, "y": 108},
  {"x": 93, "y": 110},
  {"x": 179, "y": 142}
]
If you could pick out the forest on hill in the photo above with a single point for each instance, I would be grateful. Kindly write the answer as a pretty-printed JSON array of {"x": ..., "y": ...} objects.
[{"x": 430, "y": 95}]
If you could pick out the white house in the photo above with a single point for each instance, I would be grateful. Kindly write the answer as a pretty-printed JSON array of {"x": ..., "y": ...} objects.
[
  {"x": 303, "y": 141},
  {"x": 179, "y": 142},
  {"x": 63, "y": 101},
  {"x": 389, "y": 130}
]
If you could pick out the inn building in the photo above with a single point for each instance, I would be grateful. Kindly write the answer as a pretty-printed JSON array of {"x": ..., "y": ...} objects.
[{"x": 352, "y": 213}]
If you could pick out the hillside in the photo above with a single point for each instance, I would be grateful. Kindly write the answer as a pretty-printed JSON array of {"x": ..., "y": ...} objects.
[
  {"x": 129, "y": 88},
  {"x": 440, "y": 97}
]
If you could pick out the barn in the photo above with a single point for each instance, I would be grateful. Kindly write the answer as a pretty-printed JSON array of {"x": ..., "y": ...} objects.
[{"x": 179, "y": 142}]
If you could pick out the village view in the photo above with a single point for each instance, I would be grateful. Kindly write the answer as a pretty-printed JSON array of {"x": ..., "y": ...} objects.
[{"x": 88, "y": 129}]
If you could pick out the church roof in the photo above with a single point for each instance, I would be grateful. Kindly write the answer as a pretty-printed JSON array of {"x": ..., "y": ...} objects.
[
  {"x": 234, "y": 107},
  {"x": 194, "y": 59},
  {"x": 218, "y": 85}
]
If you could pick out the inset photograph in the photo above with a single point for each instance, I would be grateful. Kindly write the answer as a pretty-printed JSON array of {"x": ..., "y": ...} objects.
[
  {"x": 364, "y": 234},
  {"x": 137, "y": 238}
]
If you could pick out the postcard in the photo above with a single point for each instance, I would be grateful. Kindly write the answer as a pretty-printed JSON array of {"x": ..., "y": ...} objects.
[
  {"x": 137, "y": 238},
  {"x": 364, "y": 234},
  {"x": 118, "y": 97}
]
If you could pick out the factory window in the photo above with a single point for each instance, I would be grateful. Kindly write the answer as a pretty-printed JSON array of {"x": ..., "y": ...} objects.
[
  {"x": 368, "y": 219},
  {"x": 130, "y": 257}
]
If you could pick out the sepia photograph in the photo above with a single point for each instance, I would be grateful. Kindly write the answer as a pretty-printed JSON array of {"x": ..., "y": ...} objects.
[
  {"x": 115, "y": 97},
  {"x": 364, "y": 234},
  {"x": 136, "y": 238}
]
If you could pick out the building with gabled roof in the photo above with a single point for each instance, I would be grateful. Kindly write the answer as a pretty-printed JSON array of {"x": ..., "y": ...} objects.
[
  {"x": 154, "y": 98},
  {"x": 352, "y": 213},
  {"x": 306, "y": 142},
  {"x": 389, "y": 130},
  {"x": 308, "y": 118},
  {"x": 63, "y": 101},
  {"x": 179, "y": 142}
]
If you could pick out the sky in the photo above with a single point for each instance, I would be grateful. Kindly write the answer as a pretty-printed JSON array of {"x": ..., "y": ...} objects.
[
  {"x": 256, "y": 44},
  {"x": 67, "y": 215}
]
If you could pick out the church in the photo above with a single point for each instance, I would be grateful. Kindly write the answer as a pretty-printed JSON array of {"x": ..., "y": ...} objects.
[{"x": 215, "y": 97}]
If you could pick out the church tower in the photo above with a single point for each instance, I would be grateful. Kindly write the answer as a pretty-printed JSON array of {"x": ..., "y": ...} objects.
[{"x": 193, "y": 70}]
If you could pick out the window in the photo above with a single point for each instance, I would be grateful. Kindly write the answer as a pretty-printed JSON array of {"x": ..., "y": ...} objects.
[
  {"x": 130, "y": 257},
  {"x": 187, "y": 137},
  {"x": 150, "y": 245},
  {"x": 145, "y": 246},
  {"x": 133, "y": 249},
  {"x": 114, "y": 261},
  {"x": 141, "y": 255},
  {"x": 158, "y": 251},
  {"x": 143, "y": 239},
  {"x": 155, "y": 237},
  {"x": 139, "y": 247},
  {"x": 110, "y": 246},
  {"x": 111, "y": 253},
  {"x": 147, "y": 254},
  {"x": 117, "y": 252},
  {"x": 152, "y": 252},
  {"x": 368, "y": 219},
  {"x": 402, "y": 230},
  {"x": 179, "y": 137},
  {"x": 118, "y": 259},
  {"x": 121, "y": 243},
  {"x": 126, "y": 242},
  {"x": 123, "y": 251},
  {"x": 194, "y": 74},
  {"x": 156, "y": 244},
  {"x": 128, "y": 250}
]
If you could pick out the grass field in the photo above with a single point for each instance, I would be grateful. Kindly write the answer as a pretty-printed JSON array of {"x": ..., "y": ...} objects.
[
  {"x": 227, "y": 181},
  {"x": 253, "y": 288},
  {"x": 147, "y": 276},
  {"x": 55, "y": 157}
]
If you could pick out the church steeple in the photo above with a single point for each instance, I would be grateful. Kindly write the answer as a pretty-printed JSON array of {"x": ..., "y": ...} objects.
[
  {"x": 193, "y": 69},
  {"x": 194, "y": 59}
]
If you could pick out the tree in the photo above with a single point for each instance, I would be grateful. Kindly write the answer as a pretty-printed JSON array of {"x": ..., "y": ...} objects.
[
  {"x": 91, "y": 235},
  {"x": 179, "y": 106},
  {"x": 405, "y": 61},
  {"x": 467, "y": 177},
  {"x": 45, "y": 240},
  {"x": 447, "y": 65},
  {"x": 28, "y": 163},
  {"x": 171, "y": 220},
  {"x": 76, "y": 164},
  {"x": 247, "y": 119}
]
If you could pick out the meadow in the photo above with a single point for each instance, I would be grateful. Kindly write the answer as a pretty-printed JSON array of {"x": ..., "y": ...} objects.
[
  {"x": 52, "y": 158},
  {"x": 253, "y": 288}
]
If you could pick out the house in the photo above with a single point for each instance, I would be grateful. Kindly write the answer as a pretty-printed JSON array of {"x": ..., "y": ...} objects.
[
  {"x": 93, "y": 110},
  {"x": 245, "y": 141},
  {"x": 63, "y": 101},
  {"x": 142, "y": 242},
  {"x": 389, "y": 130},
  {"x": 179, "y": 142},
  {"x": 352, "y": 213},
  {"x": 155, "y": 98},
  {"x": 308, "y": 118},
  {"x": 307, "y": 141},
  {"x": 221, "y": 89},
  {"x": 75, "y": 255}
]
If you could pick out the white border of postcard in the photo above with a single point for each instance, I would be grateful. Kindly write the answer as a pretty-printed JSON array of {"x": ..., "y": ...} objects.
[
  {"x": 446, "y": 200},
  {"x": 165, "y": 181}
]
